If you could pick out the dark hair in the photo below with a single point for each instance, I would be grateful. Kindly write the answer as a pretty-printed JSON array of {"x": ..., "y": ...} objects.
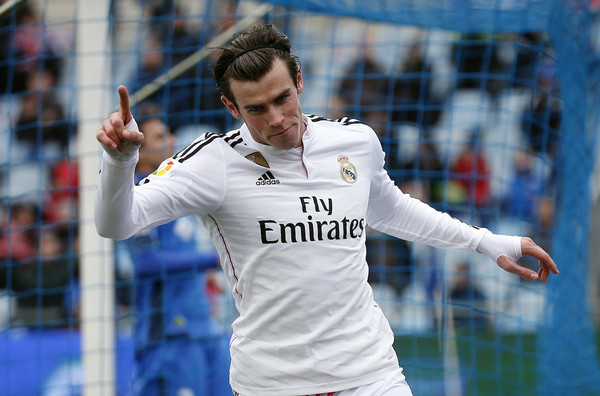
[{"x": 250, "y": 55}]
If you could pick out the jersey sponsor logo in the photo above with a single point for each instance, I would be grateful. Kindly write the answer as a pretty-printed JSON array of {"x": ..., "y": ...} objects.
[
  {"x": 267, "y": 179},
  {"x": 347, "y": 170},
  {"x": 313, "y": 229},
  {"x": 272, "y": 231}
]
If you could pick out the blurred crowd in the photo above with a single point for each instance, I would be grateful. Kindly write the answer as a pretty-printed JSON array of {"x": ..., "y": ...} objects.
[
  {"x": 38, "y": 172},
  {"x": 405, "y": 104}
]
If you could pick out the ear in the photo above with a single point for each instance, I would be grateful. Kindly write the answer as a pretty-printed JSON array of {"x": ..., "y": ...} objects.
[
  {"x": 299, "y": 81},
  {"x": 231, "y": 107}
]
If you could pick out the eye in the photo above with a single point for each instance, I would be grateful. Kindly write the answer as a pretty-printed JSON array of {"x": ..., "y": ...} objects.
[
  {"x": 283, "y": 97},
  {"x": 258, "y": 108}
]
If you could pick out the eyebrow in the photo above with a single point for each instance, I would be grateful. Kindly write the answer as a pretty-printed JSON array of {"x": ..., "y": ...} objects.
[{"x": 284, "y": 92}]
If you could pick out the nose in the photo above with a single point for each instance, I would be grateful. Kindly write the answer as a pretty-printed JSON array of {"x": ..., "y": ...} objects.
[{"x": 275, "y": 117}]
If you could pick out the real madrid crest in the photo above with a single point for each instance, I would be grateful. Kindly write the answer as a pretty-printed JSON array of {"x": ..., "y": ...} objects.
[{"x": 347, "y": 170}]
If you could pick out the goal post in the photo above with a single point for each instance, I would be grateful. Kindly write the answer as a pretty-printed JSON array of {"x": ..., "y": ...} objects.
[{"x": 98, "y": 350}]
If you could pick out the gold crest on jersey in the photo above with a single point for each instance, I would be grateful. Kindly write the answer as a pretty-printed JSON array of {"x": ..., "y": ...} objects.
[
  {"x": 258, "y": 159},
  {"x": 347, "y": 170}
]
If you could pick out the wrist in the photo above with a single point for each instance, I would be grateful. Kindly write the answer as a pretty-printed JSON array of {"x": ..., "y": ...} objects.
[{"x": 494, "y": 246}]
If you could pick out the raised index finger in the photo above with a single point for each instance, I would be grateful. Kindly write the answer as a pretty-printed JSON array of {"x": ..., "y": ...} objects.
[{"x": 124, "y": 104}]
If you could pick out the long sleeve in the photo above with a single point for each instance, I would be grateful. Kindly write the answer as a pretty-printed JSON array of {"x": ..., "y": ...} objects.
[{"x": 114, "y": 198}]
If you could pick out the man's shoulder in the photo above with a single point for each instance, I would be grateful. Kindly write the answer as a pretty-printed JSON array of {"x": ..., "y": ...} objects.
[
  {"x": 209, "y": 141},
  {"x": 343, "y": 128},
  {"x": 342, "y": 122}
]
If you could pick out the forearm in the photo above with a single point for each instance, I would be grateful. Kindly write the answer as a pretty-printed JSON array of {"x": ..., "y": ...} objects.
[
  {"x": 418, "y": 222},
  {"x": 114, "y": 198},
  {"x": 408, "y": 218}
]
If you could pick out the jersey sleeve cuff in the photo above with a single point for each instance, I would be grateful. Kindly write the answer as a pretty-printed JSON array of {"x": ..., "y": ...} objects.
[{"x": 494, "y": 246}]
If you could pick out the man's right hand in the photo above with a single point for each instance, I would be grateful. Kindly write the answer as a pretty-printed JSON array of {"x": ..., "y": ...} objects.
[{"x": 113, "y": 134}]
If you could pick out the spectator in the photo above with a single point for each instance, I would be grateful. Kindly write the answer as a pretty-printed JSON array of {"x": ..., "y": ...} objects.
[
  {"x": 523, "y": 195},
  {"x": 540, "y": 122},
  {"x": 61, "y": 204},
  {"x": 17, "y": 243},
  {"x": 173, "y": 309},
  {"x": 478, "y": 63},
  {"x": 362, "y": 94},
  {"x": 472, "y": 172},
  {"x": 528, "y": 58},
  {"x": 151, "y": 65},
  {"x": 17, "y": 236},
  {"x": 40, "y": 282},
  {"x": 414, "y": 100},
  {"x": 42, "y": 127},
  {"x": 171, "y": 29}
]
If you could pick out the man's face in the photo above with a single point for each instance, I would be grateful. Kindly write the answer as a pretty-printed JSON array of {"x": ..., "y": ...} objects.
[
  {"x": 270, "y": 107},
  {"x": 159, "y": 144}
]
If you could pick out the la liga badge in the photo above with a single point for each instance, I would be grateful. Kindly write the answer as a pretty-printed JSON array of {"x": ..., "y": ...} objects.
[{"x": 165, "y": 167}]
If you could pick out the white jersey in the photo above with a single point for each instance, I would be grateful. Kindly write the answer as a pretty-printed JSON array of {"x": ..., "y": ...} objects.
[{"x": 290, "y": 228}]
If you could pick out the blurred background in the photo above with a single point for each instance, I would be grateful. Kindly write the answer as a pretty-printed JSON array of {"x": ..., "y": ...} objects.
[{"x": 486, "y": 111}]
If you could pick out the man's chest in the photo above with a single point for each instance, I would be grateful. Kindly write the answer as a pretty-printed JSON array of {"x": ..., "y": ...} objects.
[{"x": 325, "y": 191}]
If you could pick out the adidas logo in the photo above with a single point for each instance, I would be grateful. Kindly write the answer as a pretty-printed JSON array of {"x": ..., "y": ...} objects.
[{"x": 267, "y": 178}]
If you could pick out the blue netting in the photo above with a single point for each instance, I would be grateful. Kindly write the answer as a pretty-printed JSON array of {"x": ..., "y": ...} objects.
[{"x": 459, "y": 15}]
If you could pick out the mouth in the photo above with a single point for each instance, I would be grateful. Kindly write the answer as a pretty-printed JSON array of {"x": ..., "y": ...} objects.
[{"x": 282, "y": 132}]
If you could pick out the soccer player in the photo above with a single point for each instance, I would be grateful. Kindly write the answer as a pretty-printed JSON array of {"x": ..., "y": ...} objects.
[
  {"x": 287, "y": 198},
  {"x": 179, "y": 347}
]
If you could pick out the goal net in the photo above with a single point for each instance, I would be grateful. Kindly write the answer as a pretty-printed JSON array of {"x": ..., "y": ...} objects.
[{"x": 487, "y": 110}]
